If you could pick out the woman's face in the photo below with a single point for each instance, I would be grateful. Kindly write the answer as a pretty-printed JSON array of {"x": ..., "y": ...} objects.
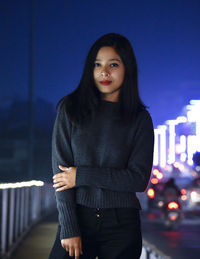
[{"x": 108, "y": 73}]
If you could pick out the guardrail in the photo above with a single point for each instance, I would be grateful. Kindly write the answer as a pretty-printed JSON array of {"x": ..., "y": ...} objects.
[
  {"x": 150, "y": 251},
  {"x": 22, "y": 205}
]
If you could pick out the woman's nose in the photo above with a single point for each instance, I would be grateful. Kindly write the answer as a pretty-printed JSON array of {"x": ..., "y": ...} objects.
[{"x": 104, "y": 72}]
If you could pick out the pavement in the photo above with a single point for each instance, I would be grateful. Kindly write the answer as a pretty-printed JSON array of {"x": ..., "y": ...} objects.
[
  {"x": 39, "y": 241},
  {"x": 181, "y": 243}
]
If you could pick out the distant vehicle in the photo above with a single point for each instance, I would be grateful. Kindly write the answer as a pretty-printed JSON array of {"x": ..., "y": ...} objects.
[
  {"x": 172, "y": 214},
  {"x": 171, "y": 191},
  {"x": 156, "y": 186}
]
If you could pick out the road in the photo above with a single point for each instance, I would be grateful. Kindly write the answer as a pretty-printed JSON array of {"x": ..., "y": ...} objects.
[{"x": 183, "y": 243}]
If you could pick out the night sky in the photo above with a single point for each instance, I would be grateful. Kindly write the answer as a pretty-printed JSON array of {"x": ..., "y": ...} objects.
[{"x": 165, "y": 35}]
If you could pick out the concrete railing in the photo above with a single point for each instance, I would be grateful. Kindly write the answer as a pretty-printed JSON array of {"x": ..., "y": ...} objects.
[
  {"x": 22, "y": 205},
  {"x": 150, "y": 251}
]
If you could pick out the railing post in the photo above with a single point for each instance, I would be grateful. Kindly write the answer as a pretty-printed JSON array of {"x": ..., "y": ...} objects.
[
  {"x": 22, "y": 210},
  {"x": 26, "y": 211},
  {"x": 17, "y": 213},
  {"x": 4, "y": 220},
  {"x": 22, "y": 205},
  {"x": 11, "y": 216}
]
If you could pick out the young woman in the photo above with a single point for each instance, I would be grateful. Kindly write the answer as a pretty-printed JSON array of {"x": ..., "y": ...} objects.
[{"x": 102, "y": 152}]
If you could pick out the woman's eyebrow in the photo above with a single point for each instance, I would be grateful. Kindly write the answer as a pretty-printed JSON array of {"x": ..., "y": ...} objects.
[{"x": 109, "y": 59}]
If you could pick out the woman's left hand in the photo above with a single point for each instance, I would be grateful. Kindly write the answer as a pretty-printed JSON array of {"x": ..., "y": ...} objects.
[{"x": 66, "y": 179}]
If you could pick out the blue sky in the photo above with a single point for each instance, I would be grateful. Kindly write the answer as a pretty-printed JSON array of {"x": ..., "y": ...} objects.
[{"x": 165, "y": 36}]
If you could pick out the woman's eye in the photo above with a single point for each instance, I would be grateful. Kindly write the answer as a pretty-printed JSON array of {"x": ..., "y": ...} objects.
[{"x": 114, "y": 64}]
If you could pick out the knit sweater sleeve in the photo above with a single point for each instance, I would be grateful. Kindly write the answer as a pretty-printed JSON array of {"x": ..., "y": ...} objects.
[
  {"x": 136, "y": 176},
  {"x": 62, "y": 155}
]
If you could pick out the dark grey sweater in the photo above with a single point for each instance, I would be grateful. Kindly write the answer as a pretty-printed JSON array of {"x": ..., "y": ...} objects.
[{"x": 113, "y": 161}]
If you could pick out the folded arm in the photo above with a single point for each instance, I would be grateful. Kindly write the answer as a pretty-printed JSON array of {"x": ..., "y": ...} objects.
[
  {"x": 62, "y": 155},
  {"x": 135, "y": 177}
]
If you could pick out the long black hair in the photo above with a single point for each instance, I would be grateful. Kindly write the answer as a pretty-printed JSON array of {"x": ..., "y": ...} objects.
[{"x": 82, "y": 103}]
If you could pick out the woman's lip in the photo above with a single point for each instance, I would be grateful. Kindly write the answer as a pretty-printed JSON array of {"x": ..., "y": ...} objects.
[{"x": 105, "y": 82}]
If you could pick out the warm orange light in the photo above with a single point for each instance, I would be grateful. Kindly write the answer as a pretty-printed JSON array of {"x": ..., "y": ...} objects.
[
  {"x": 151, "y": 193},
  {"x": 183, "y": 197},
  {"x": 183, "y": 191},
  {"x": 173, "y": 205},
  {"x": 154, "y": 180},
  {"x": 155, "y": 172}
]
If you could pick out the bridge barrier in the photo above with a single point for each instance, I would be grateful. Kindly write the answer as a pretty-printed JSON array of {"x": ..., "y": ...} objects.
[
  {"x": 150, "y": 251},
  {"x": 22, "y": 205}
]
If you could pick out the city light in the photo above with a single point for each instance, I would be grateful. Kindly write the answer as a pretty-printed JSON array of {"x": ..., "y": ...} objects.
[
  {"x": 151, "y": 193},
  {"x": 183, "y": 197},
  {"x": 191, "y": 148},
  {"x": 156, "y": 149},
  {"x": 162, "y": 145},
  {"x": 160, "y": 176},
  {"x": 194, "y": 196},
  {"x": 173, "y": 205},
  {"x": 172, "y": 135},
  {"x": 178, "y": 139},
  {"x": 154, "y": 180},
  {"x": 156, "y": 171},
  {"x": 183, "y": 191},
  {"x": 21, "y": 184},
  {"x": 181, "y": 119}
]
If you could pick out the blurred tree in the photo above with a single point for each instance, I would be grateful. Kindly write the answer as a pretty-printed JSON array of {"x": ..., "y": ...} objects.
[{"x": 196, "y": 158}]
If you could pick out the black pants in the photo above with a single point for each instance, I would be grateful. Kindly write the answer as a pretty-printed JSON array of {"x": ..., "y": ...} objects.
[{"x": 106, "y": 233}]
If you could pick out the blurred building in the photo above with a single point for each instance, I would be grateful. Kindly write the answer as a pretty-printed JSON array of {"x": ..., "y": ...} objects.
[
  {"x": 14, "y": 141},
  {"x": 177, "y": 140}
]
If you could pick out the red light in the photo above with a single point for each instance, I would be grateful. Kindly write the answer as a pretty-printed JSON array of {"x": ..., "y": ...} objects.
[
  {"x": 151, "y": 193},
  {"x": 173, "y": 217},
  {"x": 154, "y": 180},
  {"x": 173, "y": 205},
  {"x": 183, "y": 191}
]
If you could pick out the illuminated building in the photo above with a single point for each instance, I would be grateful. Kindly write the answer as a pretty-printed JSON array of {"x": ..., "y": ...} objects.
[{"x": 178, "y": 139}]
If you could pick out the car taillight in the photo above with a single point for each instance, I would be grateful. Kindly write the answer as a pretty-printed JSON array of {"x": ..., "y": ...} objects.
[
  {"x": 151, "y": 193},
  {"x": 183, "y": 191},
  {"x": 154, "y": 180},
  {"x": 173, "y": 205},
  {"x": 173, "y": 217}
]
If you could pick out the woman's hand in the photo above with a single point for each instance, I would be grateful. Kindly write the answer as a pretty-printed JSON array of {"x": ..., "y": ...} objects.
[
  {"x": 73, "y": 245},
  {"x": 66, "y": 179}
]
